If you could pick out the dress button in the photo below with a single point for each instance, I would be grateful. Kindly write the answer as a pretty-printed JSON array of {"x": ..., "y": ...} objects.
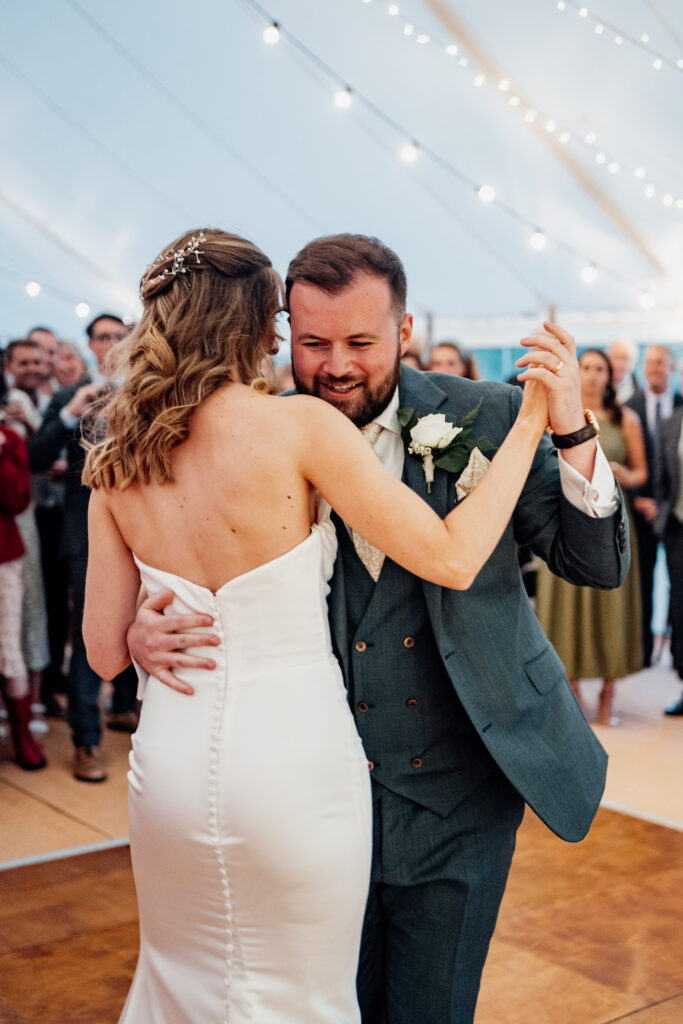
[
  {"x": 411, "y": 702},
  {"x": 362, "y": 706},
  {"x": 371, "y": 765},
  {"x": 416, "y": 762},
  {"x": 361, "y": 646},
  {"x": 409, "y": 641}
]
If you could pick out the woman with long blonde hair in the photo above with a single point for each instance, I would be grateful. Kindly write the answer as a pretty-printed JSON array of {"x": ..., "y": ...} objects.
[{"x": 250, "y": 816}]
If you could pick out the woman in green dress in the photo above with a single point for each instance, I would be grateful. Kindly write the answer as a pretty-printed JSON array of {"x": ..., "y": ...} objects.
[{"x": 597, "y": 632}]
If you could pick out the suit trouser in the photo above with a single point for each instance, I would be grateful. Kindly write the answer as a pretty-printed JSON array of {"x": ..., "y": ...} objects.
[
  {"x": 647, "y": 556},
  {"x": 673, "y": 545},
  {"x": 436, "y": 888},
  {"x": 84, "y": 684}
]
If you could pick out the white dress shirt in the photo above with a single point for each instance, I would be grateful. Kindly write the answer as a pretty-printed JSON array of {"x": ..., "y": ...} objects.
[{"x": 596, "y": 497}]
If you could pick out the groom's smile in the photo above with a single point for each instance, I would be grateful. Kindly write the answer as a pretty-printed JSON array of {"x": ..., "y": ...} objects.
[{"x": 346, "y": 347}]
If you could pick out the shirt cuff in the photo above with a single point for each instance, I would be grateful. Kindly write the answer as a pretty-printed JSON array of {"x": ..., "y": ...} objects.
[
  {"x": 598, "y": 497},
  {"x": 69, "y": 421}
]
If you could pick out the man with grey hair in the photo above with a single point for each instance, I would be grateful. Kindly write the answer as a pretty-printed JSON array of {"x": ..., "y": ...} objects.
[{"x": 623, "y": 354}]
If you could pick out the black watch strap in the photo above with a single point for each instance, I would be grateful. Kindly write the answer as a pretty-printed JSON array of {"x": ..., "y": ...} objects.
[{"x": 575, "y": 438}]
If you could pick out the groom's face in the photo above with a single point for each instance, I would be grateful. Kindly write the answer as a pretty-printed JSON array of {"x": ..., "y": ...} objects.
[{"x": 347, "y": 348}]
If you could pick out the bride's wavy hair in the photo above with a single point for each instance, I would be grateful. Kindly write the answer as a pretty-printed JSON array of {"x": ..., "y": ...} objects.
[{"x": 209, "y": 306}]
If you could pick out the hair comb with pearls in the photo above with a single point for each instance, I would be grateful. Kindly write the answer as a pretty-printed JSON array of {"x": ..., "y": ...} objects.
[{"x": 179, "y": 257}]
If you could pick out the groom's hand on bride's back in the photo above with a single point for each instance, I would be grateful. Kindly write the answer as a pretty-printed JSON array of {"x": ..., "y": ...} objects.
[{"x": 158, "y": 641}]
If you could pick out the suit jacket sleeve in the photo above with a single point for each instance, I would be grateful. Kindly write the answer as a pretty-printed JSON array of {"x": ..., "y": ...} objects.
[
  {"x": 53, "y": 436},
  {"x": 578, "y": 547}
]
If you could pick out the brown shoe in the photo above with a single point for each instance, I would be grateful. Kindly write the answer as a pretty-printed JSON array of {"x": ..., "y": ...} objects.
[
  {"x": 89, "y": 765},
  {"x": 123, "y": 721}
]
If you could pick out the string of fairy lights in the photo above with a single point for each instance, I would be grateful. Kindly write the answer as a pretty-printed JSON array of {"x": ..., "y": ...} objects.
[
  {"x": 410, "y": 149},
  {"x": 587, "y": 138}
]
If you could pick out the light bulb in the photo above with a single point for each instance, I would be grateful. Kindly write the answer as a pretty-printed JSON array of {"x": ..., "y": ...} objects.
[
  {"x": 392, "y": 9},
  {"x": 514, "y": 101},
  {"x": 82, "y": 309},
  {"x": 618, "y": 40},
  {"x": 271, "y": 34},
  {"x": 503, "y": 85},
  {"x": 600, "y": 158},
  {"x": 452, "y": 50},
  {"x": 590, "y": 138},
  {"x": 342, "y": 99},
  {"x": 649, "y": 191},
  {"x": 639, "y": 173},
  {"x": 646, "y": 300},
  {"x": 679, "y": 204},
  {"x": 463, "y": 62},
  {"x": 667, "y": 199},
  {"x": 645, "y": 38},
  {"x": 33, "y": 289},
  {"x": 423, "y": 38},
  {"x": 584, "y": 12},
  {"x": 679, "y": 63},
  {"x": 564, "y": 138},
  {"x": 550, "y": 125},
  {"x": 409, "y": 152},
  {"x": 479, "y": 80},
  {"x": 614, "y": 167},
  {"x": 486, "y": 193},
  {"x": 538, "y": 241},
  {"x": 408, "y": 28},
  {"x": 561, "y": 5},
  {"x": 530, "y": 116},
  {"x": 599, "y": 29},
  {"x": 589, "y": 274},
  {"x": 657, "y": 63}
]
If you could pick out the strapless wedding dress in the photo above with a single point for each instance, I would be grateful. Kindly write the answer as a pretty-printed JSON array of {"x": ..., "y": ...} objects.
[{"x": 250, "y": 811}]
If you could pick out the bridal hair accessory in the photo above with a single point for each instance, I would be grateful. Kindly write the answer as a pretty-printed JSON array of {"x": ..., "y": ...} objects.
[
  {"x": 179, "y": 257},
  {"x": 440, "y": 443}
]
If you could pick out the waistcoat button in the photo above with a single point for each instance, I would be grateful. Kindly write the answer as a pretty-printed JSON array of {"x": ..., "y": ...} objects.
[
  {"x": 363, "y": 706},
  {"x": 411, "y": 702},
  {"x": 409, "y": 641},
  {"x": 360, "y": 646},
  {"x": 416, "y": 762},
  {"x": 371, "y": 765}
]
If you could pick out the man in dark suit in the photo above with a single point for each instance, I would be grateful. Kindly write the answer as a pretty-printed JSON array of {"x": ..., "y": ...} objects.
[
  {"x": 653, "y": 404},
  {"x": 669, "y": 526},
  {"x": 462, "y": 704},
  {"x": 62, "y": 425}
]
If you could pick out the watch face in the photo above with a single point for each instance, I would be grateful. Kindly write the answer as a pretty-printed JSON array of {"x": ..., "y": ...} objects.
[{"x": 592, "y": 419}]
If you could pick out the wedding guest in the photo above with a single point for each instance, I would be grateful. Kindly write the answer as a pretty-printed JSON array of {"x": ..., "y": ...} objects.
[
  {"x": 622, "y": 354},
  {"x": 71, "y": 367},
  {"x": 669, "y": 526},
  {"x": 61, "y": 428},
  {"x": 47, "y": 339},
  {"x": 449, "y": 357},
  {"x": 653, "y": 404},
  {"x": 15, "y": 494},
  {"x": 597, "y": 632}
]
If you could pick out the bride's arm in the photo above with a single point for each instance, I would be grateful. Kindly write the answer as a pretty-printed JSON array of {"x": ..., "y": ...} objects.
[
  {"x": 111, "y": 591},
  {"x": 449, "y": 552}
]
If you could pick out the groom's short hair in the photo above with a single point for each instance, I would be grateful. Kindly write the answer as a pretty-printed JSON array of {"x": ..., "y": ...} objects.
[{"x": 333, "y": 262}]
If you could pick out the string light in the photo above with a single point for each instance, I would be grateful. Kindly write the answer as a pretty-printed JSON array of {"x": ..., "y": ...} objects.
[
  {"x": 564, "y": 138},
  {"x": 486, "y": 193},
  {"x": 530, "y": 116},
  {"x": 667, "y": 199},
  {"x": 641, "y": 42},
  {"x": 463, "y": 62},
  {"x": 649, "y": 191},
  {"x": 589, "y": 274},
  {"x": 392, "y": 9},
  {"x": 409, "y": 152},
  {"x": 646, "y": 300},
  {"x": 550, "y": 126},
  {"x": 423, "y": 38},
  {"x": 503, "y": 85},
  {"x": 82, "y": 309},
  {"x": 342, "y": 99},
  {"x": 271, "y": 34},
  {"x": 614, "y": 167},
  {"x": 657, "y": 63},
  {"x": 408, "y": 28},
  {"x": 538, "y": 241},
  {"x": 590, "y": 138},
  {"x": 599, "y": 29},
  {"x": 639, "y": 173},
  {"x": 479, "y": 80},
  {"x": 618, "y": 40},
  {"x": 33, "y": 289},
  {"x": 513, "y": 101},
  {"x": 600, "y": 158},
  {"x": 452, "y": 50}
]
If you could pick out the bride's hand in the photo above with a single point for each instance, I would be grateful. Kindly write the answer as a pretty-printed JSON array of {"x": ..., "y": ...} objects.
[{"x": 534, "y": 408}]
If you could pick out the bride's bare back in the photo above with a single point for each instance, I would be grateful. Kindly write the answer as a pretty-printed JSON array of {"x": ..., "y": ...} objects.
[{"x": 238, "y": 499}]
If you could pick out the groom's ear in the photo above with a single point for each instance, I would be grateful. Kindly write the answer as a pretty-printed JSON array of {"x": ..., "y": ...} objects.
[{"x": 405, "y": 331}]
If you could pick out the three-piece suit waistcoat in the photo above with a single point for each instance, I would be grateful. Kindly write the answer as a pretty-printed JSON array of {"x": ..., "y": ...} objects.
[{"x": 418, "y": 738}]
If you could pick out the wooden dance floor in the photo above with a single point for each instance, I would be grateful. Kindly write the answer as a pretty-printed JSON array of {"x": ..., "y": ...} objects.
[{"x": 588, "y": 934}]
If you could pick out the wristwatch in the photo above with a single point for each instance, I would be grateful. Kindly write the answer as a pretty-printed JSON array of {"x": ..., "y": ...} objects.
[{"x": 578, "y": 436}]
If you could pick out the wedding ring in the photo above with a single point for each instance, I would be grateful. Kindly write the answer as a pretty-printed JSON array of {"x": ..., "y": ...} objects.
[{"x": 556, "y": 369}]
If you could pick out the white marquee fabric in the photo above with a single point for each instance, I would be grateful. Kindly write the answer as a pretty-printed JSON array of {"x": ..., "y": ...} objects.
[{"x": 124, "y": 124}]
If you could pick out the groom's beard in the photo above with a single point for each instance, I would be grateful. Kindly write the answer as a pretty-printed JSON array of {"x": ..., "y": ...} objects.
[{"x": 369, "y": 400}]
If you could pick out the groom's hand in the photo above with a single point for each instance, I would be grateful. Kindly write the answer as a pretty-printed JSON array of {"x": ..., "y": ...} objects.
[
  {"x": 157, "y": 641},
  {"x": 552, "y": 360}
]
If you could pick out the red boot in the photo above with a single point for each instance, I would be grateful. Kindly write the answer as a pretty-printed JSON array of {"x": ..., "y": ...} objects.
[{"x": 27, "y": 753}]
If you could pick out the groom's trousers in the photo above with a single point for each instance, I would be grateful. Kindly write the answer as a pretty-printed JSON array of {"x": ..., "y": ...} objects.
[{"x": 436, "y": 888}]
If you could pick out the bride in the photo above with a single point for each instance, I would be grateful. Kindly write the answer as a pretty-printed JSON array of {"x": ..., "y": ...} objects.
[{"x": 250, "y": 815}]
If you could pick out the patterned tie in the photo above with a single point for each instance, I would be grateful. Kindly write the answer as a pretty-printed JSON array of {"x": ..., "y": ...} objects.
[{"x": 371, "y": 557}]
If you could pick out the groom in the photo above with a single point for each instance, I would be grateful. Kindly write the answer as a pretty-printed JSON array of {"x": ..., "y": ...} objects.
[{"x": 462, "y": 704}]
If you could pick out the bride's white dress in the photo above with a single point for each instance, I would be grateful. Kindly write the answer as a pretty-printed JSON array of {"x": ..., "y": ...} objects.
[{"x": 250, "y": 811}]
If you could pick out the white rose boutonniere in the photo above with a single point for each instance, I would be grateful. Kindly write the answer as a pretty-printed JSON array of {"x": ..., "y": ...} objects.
[
  {"x": 430, "y": 433},
  {"x": 440, "y": 443}
]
